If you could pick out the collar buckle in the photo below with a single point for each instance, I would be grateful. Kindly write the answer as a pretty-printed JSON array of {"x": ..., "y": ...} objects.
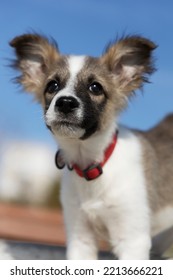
[
  {"x": 92, "y": 172},
  {"x": 59, "y": 161}
]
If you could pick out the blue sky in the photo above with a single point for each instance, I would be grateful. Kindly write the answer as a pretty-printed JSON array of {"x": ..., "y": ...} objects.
[{"x": 85, "y": 27}]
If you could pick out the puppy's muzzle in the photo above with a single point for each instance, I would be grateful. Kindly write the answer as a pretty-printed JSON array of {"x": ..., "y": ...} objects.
[{"x": 66, "y": 104}]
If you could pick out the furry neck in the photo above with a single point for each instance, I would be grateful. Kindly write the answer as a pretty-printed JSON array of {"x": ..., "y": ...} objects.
[{"x": 85, "y": 152}]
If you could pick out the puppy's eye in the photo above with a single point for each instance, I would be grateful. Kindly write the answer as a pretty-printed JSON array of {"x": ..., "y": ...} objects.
[
  {"x": 52, "y": 87},
  {"x": 96, "y": 88}
]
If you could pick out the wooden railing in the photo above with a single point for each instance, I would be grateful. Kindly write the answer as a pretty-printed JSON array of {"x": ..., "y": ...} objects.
[{"x": 31, "y": 224}]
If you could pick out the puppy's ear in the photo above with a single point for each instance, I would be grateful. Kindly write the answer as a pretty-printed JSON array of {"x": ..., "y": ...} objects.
[
  {"x": 35, "y": 55},
  {"x": 130, "y": 60}
]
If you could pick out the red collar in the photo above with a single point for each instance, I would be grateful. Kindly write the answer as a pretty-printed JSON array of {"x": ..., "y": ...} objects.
[{"x": 94, "y": 170}]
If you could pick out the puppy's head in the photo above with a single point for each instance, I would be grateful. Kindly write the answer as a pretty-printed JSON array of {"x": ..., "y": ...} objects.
[{"x": 81, "y": 95}]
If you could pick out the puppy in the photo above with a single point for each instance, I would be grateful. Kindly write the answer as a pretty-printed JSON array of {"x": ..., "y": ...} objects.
[{"x": 117, "y": 182}]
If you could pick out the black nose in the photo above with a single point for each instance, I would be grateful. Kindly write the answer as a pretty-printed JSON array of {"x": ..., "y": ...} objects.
[{"x": 66, "y": 104}]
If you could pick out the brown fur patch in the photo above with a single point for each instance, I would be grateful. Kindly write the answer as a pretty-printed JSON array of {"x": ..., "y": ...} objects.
[
  {"x": 131, "y": 61},
  {"x": 95, "y": 71},
  {"x": 126, "y": 65},
  {"x": 36, "y": 58},
  {"x": 158, "y": 162},
  {"x": 59, "y": 73}
]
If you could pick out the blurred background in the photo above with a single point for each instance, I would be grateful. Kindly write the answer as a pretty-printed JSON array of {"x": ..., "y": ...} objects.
[{"x": 27, "y": 172}]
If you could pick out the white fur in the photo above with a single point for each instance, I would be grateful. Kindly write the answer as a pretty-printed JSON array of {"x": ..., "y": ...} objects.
[
  {"x": 5, "y": 252},
  {"x": 76, "y": 63},
  {"x": 85, "y": 152},
  {"x": 116, "y": 201}
]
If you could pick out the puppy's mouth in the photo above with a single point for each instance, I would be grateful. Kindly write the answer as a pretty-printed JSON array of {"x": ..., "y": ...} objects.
[
  {"x": 64, "y": 124},
  {"x": 66, "y": 128},
  {"x": 57, "y": 120}
]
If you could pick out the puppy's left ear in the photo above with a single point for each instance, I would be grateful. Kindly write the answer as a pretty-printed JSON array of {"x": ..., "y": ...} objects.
[
  {"x": 130, "y": 60},
  {"x": 35, "y": 56}
]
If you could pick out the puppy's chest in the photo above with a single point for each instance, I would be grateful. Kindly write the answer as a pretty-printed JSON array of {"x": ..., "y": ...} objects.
[
  {"x": 96, "y": 203},
  {"x": 95, "y": 210},
  {"x": 122, "y": 181},
  {"x": 100, "y": 197}
]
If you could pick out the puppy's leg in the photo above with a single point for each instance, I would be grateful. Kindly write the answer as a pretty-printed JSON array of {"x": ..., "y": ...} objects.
[
  {"x": 5, "y": 253},
  {"x": 134, "y": 248},
  {"x": 130, "y": 239},
  {"x": 130, "y": 236},
  {"x": 81, "y": 240},
  {"x": 129, "y": 218}
]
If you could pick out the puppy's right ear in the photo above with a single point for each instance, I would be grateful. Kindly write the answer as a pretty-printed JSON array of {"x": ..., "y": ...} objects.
[{"x": 35, "y": 55}]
